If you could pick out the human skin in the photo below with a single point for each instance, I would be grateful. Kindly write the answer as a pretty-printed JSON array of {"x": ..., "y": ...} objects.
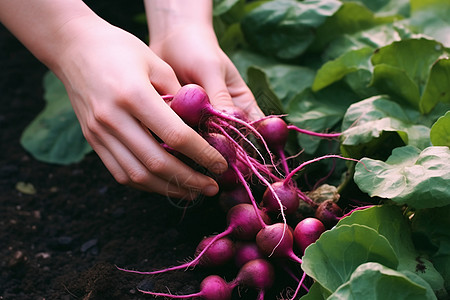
[
  {"x": 114, "y": 82},
  {"x": 182, "y": 34}
]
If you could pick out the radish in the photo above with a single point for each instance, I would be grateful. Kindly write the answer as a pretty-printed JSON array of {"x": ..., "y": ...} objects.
[
  {"x": 245, "y": 252},
  {"x": 287, "y": 195},
  {"x": 258, "y": 274},
  {"x": 329, "y": 213},
  {"x": 219, "y": 253},
  {"x": 192, "y": 104},
  {"x": 223, "y": 145},
  {"x": 210, "y": 252},
  {"x": 275, "y": 132},
  {"x": 307, "y": 231},
  {"x": 212, "y": 287},
  {"x": 277, "y": 240}
]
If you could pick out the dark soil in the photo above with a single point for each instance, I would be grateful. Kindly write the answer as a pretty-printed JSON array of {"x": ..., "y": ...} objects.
[{"x": 63, "y": 241}]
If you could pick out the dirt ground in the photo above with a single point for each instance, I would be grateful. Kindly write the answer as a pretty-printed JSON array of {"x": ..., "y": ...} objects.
[{"x": 63, "y": 241}]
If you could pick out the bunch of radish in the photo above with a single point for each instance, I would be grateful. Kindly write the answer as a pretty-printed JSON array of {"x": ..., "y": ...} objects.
[{"x": 264, "y": 234}]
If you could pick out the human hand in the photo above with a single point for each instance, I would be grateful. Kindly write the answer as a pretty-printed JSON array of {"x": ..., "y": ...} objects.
[
  {"x": 114, "y": 83},
  {"x": 181, "y": 33}
]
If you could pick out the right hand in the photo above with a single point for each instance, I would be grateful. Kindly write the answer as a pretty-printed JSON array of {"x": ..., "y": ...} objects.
[{"x": 114, "y": 82}]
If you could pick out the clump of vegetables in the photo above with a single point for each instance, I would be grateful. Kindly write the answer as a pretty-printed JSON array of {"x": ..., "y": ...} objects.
[{"x": 263, "y": 230}]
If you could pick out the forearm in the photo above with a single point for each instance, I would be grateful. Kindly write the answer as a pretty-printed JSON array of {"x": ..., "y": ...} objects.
[
  {"x": 165, "y": 16},
  {"x": 46, "y": 27}
]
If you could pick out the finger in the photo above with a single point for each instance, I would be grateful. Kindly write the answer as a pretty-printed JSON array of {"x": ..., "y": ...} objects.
[
  {"x": 154, "y": 159},
  {"x": 230, "y": 90},
  {"x": 163, "y": 78},
  {"x": 169, "y": 127},
  {"x": 127, "y": 170}
]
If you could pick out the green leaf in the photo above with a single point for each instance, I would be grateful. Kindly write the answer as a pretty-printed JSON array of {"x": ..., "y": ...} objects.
[
  {"x": 265, "y": 97},
  {"x": 222, "y": 6},
  {"x": 409, "y": 176},
  {"x": 367, "y": 123},
  {"x": 431, "y": 18},
  {"x": 396, "y": 82},
  {"x": 440, "y": 131},
  {"x": 375, "y": 37},
  {"x": 335, "y": 70},
  {"x": 285, "y": 28},
  {"x": 437, "y": 88},
  {"x": 320, "y": 112},
  {"x": 386, "y": 7},
  {"x": 316, "y": 292},
  {"x": 55, "y": 135},
  {"x": 402, "y": 68},
  {"x": 351, "y": 17},
  {"x": 389, "y": 221},
  {"x": 338, "y": 252},
  {"x": 433, "y": 224},
  {"x": 286, "y": 80},
  {"x": 373, "y": 281}
]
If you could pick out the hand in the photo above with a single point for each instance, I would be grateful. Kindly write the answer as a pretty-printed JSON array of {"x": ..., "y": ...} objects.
[
  {"x": 196, "y": 57},
  {"x": 114, "y": 82}
]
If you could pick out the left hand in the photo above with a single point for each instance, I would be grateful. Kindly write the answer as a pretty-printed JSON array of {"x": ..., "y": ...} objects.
[{"x": 196, "y": 57}]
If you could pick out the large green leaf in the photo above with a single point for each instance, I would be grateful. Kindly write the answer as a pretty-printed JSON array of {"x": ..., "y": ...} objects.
[
  {"x": 335, "y": 70},
  {"x": 55, "y": 135},
  {"x": 338, "y": 252},
  {"x": 409, "y": 176},
  {"x": 389, "y": 222},
  {"x": 286, "y": 80},
  {"x": 316, "y": 292},
  {"x": 432, "y": 18},
  {"x": 222, "y": 6},
  {"x": 265, "y": 97},
  {"x": 320, "y": 112},
  {"x": 285, "y": 28},
  {"x": 437, "y": 88},
  {"x": 350, "y": 18},
  {"x": 433, "y": 224},
  {"x": 375, "y": 37},
  {"x": 440, "y": 131},
  {"x": 367, "y": 123},
  {"x": 373, "y": 281},
  {"x": 386, "y": 7},
  {"x": 402, "y": 68}
]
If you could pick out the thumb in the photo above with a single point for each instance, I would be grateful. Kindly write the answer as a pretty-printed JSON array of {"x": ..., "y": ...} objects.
[{"x": 232, "y": 96}]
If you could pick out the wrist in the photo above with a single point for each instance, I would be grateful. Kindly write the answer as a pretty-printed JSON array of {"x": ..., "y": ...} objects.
[{"x": 166, "y": 17}]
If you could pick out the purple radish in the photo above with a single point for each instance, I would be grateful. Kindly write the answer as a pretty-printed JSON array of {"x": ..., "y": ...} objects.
[
  {"x": 274, "y": 131},
  {"x": 258, "y": 274},
  {"x": 329, "y": 213},
  {"x": 245, "y": 252},
  {"x": 307, "y": 232},
  {"x": 219, "y": 253},
  {"x": 287, "y": 194},
  {"x": 277, "y": 240}
]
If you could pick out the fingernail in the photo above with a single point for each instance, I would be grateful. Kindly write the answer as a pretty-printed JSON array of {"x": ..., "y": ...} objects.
[
  {"x": 219, "y": 168},
  {"x": 211, "y": 190}
]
